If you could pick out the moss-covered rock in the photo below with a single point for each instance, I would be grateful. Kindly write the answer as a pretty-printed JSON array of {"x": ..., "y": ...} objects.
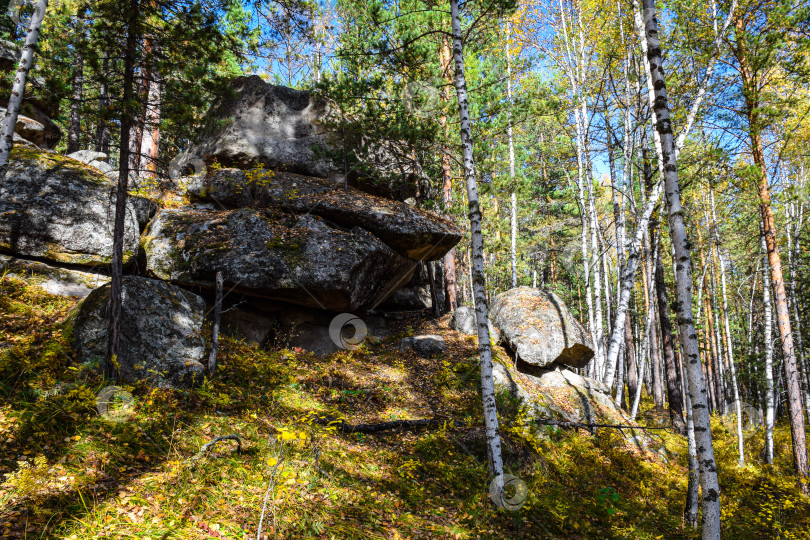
[
  {"x": 297, "y": 259},
  {"x": 161, "y": 332},
  {"x": 537, "y": 326},
  {"x": 55, "y": 280},
  {"x": 411, "y": 232},
  {"x": 61, "y": 210}
]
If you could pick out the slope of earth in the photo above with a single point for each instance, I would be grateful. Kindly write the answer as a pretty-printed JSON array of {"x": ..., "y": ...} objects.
[{"x": 137, "y": 471}]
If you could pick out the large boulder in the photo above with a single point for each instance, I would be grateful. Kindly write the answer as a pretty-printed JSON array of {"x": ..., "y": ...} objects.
[
  {"x": 258, "y": 123},
  {"x": 409, "y": 298},
  {"x": 412, "y": 232},
  {"x": 9, "y": 55},
  {"x": 537, "y": 326},
  {"x": 558, "y": 395},
  {"x": 303, "y": 260},
  {"x": 60, "y": 210},
  {"x": 35, "y": 126},
  {"x": 143, "y": 209},
  {"x": 416, "y": 293},
  {"x": 94, "y": 159},
  {"x": 40, "y": 130},
  {"x": 88, "y": 156},
  {"x": 161, "y": 332}
]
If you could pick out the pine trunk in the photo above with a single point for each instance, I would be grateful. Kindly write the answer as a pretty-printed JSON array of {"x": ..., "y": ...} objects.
[
  {"x": 116, "y": 270},
  {"x": 451, "y": 296},
  {"x": 150, "y": 139},
  {"x": 74, "y": 123},
  {"x": 791, "y": 372}
]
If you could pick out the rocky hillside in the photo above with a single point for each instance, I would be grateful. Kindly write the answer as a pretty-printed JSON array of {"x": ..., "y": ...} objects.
[{"x": 134, "y": 465}]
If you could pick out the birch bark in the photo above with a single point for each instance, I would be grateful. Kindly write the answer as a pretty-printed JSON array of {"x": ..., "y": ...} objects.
[
  {"x": 477, "y": 267},
  {"x": 710, "y": 497},
  {"x": 18, "y": 88},
  {"x": 768, "y": 339},
  {"x": 729, "y": 348}
]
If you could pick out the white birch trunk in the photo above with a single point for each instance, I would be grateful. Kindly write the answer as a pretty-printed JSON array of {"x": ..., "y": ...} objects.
[
  {"x": 18, "y": 88},
  {"x": 487, "y": 384},
  {"x": 710, "y": 496},
  {"x": 768, "y": 338},
  {"x": 627, "y": 280},
  {"x": 729, "y": 348},
  {"x": 599, "y": 329},
  {"x": 572, "y": 67},
  {"x": 511, "y": 153},
  {"x": 645, "y": 353},
  {"x": 690, "y": 514}
]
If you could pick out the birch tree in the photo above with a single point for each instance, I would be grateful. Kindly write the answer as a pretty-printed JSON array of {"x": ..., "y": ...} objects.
[
  {"x": 710, "y": 496},
  {"x": 493, "y": 438},
  {"x": 768, "y": 339},
  {"x": 729, "y": 348},
  {"x": 18, "y": 88},
  {"x": 655, "y": 195}
]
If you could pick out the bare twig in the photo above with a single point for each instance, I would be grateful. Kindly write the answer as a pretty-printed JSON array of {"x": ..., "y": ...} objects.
[{"x": 208, "y": 445}]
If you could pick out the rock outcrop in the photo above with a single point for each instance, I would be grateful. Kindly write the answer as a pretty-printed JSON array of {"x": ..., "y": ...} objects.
[
  {"x": 303, "y": 260},
  {"x": 538, "y": 328},
  {"x": 161, "y": 332},
  {"x": 94, "y": 159},
  {"x": 60, "y": 210},
  {"x": 411, "y": 232},
  {"x": 285, "y": 235}
]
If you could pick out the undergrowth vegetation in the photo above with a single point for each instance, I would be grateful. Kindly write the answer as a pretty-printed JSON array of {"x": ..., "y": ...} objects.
[{"x": 70, "y": 472}]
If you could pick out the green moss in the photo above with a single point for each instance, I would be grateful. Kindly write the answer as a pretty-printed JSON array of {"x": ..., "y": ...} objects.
[{"x": 47, "y": 160}]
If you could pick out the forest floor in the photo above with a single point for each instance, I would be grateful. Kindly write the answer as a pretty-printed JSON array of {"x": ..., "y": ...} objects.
[{"x": 70, "y": 472}]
